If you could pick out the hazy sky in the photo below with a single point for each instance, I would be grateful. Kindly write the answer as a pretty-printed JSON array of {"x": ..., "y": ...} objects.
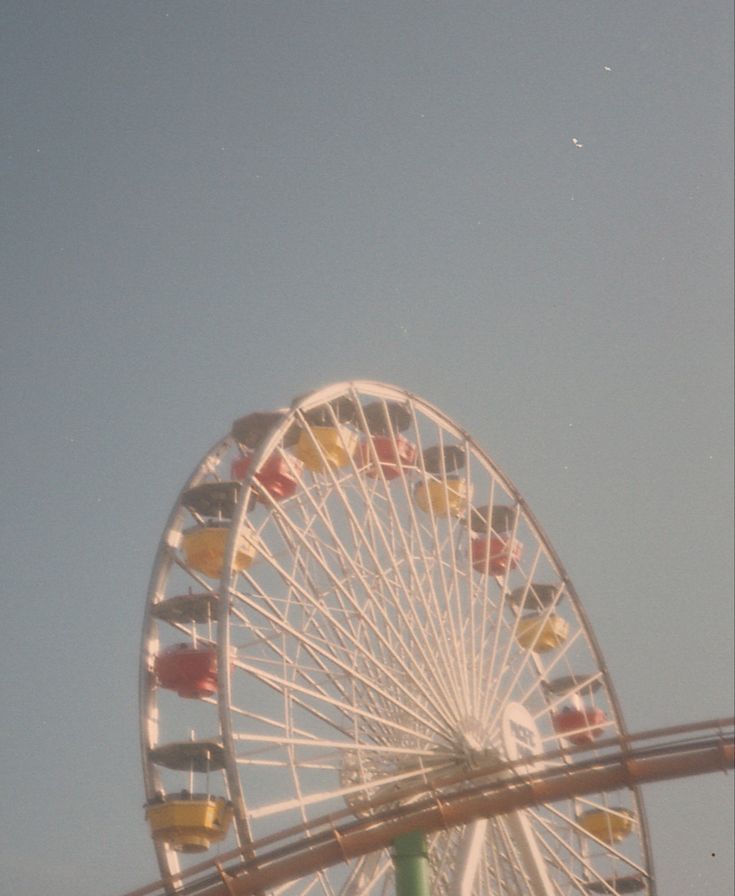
[{"x": 209, "y": 206}]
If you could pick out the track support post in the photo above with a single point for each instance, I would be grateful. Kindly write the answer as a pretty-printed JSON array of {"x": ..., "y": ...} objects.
[{"x": 411, "y": 864}]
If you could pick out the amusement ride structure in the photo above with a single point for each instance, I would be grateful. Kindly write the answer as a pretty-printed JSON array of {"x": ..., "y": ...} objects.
[{"x": 365, "y": 671}]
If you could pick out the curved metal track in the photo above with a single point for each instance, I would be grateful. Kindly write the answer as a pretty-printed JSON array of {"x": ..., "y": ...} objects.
[{"x": 642, "y": 758}]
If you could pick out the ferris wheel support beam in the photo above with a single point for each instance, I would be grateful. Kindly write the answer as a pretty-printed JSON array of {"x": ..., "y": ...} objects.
[
  {"x": 470, "y": 853},
  {"x": 636, "y": 767},
  {"x": 468, "y": 858},
  {"x": 411, "y": 864}
]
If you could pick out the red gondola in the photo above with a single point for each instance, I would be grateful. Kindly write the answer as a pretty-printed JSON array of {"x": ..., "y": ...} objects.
[
  {"x": 190, "y": 671},
  {"x": 579, "y": 726},
  {"x": 498, "y": 557},
  {"x": 275, "y": 475},
  {"x": 390, "y": 457}
]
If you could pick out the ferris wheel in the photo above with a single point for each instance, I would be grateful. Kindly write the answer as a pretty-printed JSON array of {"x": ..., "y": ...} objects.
[{"x": 349, "y": 598}]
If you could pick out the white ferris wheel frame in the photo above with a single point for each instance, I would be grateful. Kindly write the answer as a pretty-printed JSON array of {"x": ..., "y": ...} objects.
[{"x": 514, "y": 858}]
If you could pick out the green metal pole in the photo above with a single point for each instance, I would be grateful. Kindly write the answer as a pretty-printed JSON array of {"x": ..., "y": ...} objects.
[{"x": 411, "y": 864}]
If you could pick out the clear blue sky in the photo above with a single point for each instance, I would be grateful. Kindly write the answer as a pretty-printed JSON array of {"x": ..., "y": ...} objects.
[{"x": 209, "y": 206}]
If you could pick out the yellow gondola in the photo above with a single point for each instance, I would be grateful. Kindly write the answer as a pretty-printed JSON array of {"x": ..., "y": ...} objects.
[
  {"x": 608, "y": 825},
  {"x": 541, "y": 634},
  {"x": 190, "y": 823},
  {"x": 337, "y": 444},
  {"x": 204, "y": 549},
  {"x": 446, "y": 497}
]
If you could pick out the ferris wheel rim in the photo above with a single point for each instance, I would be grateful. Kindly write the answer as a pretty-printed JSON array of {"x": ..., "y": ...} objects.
[{"x": 147, "y": 712}]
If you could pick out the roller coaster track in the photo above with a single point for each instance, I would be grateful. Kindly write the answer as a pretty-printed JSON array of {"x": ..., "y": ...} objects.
[{"x": 438, "y": 802}]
